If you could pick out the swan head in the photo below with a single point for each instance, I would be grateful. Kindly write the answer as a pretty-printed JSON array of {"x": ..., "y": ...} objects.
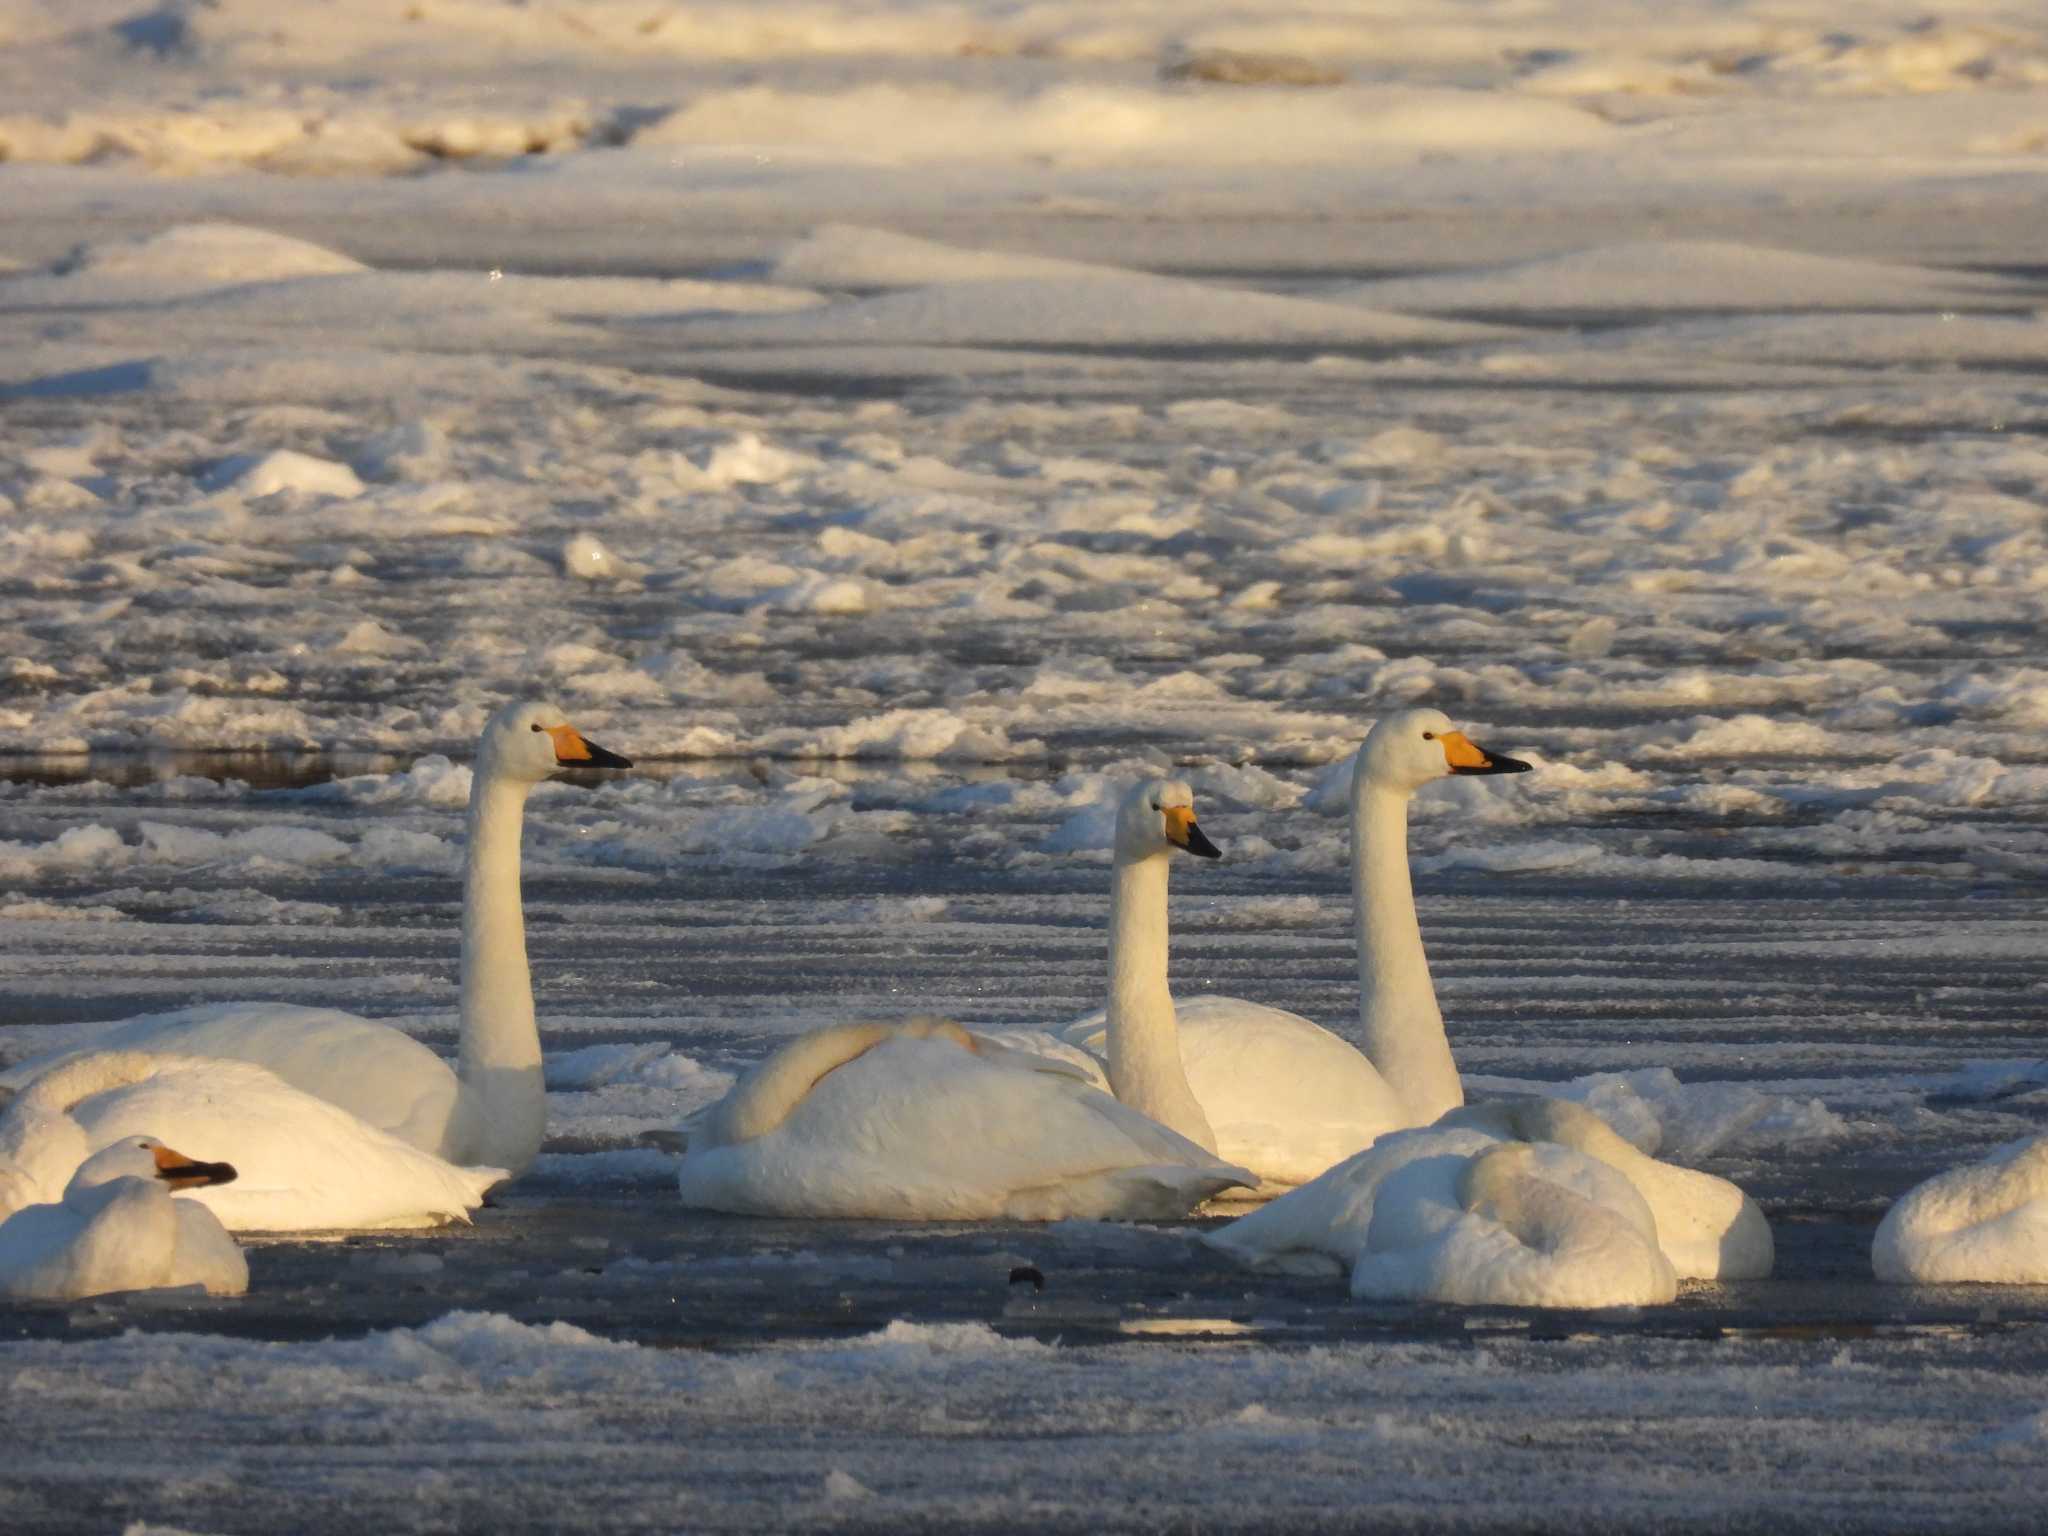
[
  {"x": 1412, "y": 747},
  {"x": 1157, "y": 817},
  {"x": 144, "y": 1157},
  {"x": 530, "y": 740}
]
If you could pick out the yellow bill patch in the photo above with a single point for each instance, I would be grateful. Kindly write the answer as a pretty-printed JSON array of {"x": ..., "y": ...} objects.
[
  {"x": 569, "y": 747},
  {"x": 1178, "y": 819},
  {"x": 1460, "y": 753}
]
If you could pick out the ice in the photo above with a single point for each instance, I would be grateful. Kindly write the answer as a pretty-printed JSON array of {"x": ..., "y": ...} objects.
[
  {"x": 1090, "y": 125},
  {"x": 900, "y": 425},
  {"x": 2022, "y": 1437},
  {"x": 1687, "y": 1122},
  {"x": 186, "y": 260},
  {"x": 1130, "y": 310},
  {"x": 561, "y": 1418},
  {"x": 1677, "y": 275},
  {"x": 848, "y": 256}
]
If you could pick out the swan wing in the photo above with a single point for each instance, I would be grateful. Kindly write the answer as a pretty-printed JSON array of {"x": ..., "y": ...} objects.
[
  {"x": 922, "y": 1128},
  {"x": 55, "y": 1253},
  {"x": 380, "y": 1075},
  {"x": 303, "y": 1164},
  {"x": 1324, "y": 1225},
  {"x": 1522, "y": 1224},
  {"x": 1985, "y": 1221}
]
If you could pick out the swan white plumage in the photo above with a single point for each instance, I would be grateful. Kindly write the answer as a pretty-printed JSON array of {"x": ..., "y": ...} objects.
[
  {"x": 305, "y": 1164},
  {"x": 922, "y": 1121},
  {"x": 1985, "y": 1221},
  {"x": 1284, "y": 1096},
  {"x": 491, "y": 1108},
  {"x": 1414, "y": 1214},
  {"x": 118, "y": 1229}
]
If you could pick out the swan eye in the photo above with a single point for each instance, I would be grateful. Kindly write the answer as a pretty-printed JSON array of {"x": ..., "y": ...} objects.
[
  {"x": 1429, "y": 735},
  {"x": 536, "y": 725}
]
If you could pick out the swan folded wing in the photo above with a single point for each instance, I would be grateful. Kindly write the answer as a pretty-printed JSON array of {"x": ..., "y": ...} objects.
[
  {"x": 909, "y": 1124},
  {"x": 1332, "y": 1215},
  {"x": 1706, "y": 1226},
  {"x": 383, "y": 1077},
  {"x": 1526, "y": 1225},
  {"x": 305, "y": 1164},
  {"x": 53, "y": 1253},
  {"x": 1000, "y": 1046},
  {"x": 1986, "y": 1221}
]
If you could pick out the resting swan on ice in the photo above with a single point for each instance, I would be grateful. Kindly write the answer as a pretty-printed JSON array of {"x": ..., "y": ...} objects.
[
  {"x": 491, "y": 1109},
  {"x": 1984, "y": 1221},
  {"x": 923, "y": 1120},
  {"x": 118, "y": 1229},
  {"x": 1533, "y": 1203},
  {"x": 1282, "y": 1095},
  {"x": 305, "y": 1164}
]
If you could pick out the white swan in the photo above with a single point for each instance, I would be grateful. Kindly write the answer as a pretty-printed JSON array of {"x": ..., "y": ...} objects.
[
  {"x": 922, "y": 1121},
  {"x": 1416, "y": 1214},
  {"x": 118, "y": 1229},
  {"x": 305, "y": 1164},
  {"x": 491, "y": 1109},
  {"x": 1284, "y": 1096},
  {"x": 1984, "y": 1221}
]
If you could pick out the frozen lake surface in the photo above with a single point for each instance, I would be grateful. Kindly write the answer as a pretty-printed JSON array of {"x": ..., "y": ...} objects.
[{"x": 897, "y": 430}]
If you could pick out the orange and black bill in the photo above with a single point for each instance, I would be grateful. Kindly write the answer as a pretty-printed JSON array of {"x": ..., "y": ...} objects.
[
  {"x": 1469, "y": 758},
  {"x": 181, "y": 1172},
  {"x": 572, "y": 751}
]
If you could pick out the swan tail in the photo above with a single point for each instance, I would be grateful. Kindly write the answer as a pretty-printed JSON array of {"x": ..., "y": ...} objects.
[
  {"x": 481, "y": 1181},
  {"x": 1149, "y": 1192}
]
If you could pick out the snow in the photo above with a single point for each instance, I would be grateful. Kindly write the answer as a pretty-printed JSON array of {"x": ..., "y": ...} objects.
[
  {"x": 1667, "y": 276},
  {"x": 898, "y": 426},
  {"x": 552, "y": 1420}
]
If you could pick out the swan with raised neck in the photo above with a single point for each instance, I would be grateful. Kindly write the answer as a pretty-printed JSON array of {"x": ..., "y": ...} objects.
[
  {"x": 1282, "y": 1095},
  {"x": 1400, "y": 1026},
  {"x": 501, "y": 1107},
  {"x": 491, "y": 1109},
  {"x": 1146, "y": 1071}
]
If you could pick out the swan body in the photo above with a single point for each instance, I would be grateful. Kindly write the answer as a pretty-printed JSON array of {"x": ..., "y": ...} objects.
[
  {"x": 491, "y": 1108},
  {"x": 1984, "y": 1221},
  {"x": 1282, "y": 1095},
  {"x": 1416, "y": 1214},
  {"x": 116, "y": 1228},
  {"x": 921, "y": 1121},
  {"x": 382, "y": 1076},
  {"x": 1322, "y": 1105},
  {"x": 305, "y": 1164},
  {"x": 1513, "y": 1224}
]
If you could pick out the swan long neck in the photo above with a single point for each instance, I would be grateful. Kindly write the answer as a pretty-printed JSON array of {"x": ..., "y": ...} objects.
[
  {"x": 1403, "y": 1033},
  {"x": 504, "y": 1109},
  {"x": 1145, "y": 1066}
]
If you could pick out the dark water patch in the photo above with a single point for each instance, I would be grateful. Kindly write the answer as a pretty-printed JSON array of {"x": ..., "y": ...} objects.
[{"x": 258, "y": 769}]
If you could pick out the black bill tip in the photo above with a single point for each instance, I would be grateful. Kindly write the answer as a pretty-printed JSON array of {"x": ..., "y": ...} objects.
[
  {"x": 1199, "y": 845},
  {"x": 197, "y": 1175},
  {"x": 1495, "y": 763},
  {"x": 599, "y": 758}
]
